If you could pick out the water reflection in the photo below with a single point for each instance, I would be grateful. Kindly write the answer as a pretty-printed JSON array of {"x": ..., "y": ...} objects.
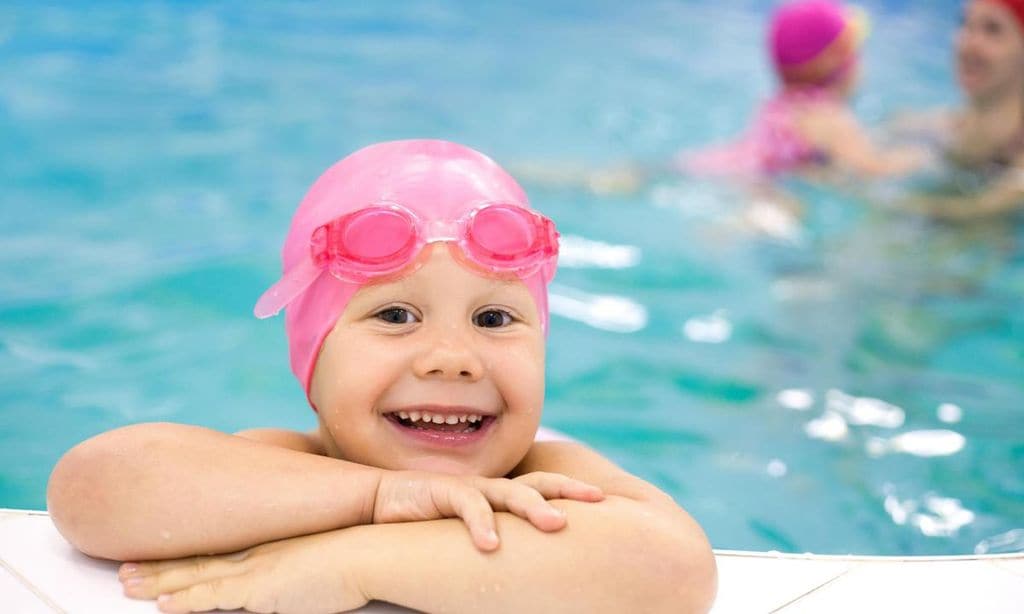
[
  {"x": 864, "y": 410},
  {"x": 949, "y": 413},
  {"x": 613, "y": 313},
  {"x": 579, "y": 252},
  {"x": 925, "y": 443},
  {"x": 776, "y": 468},
  {"x": 712, "y": 328},
  {"x": 799, "y": 399},
  {"x": 829, "y": 427},
  {"x": 932, "y": 515},
  {"x": 1010, "y": 541}
]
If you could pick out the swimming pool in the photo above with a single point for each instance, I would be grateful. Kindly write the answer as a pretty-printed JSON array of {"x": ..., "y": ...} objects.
[{"x": 854, "y": 385}]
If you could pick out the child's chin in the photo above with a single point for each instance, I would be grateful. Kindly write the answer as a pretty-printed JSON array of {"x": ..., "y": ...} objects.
[{"x": 449, "y": 466}]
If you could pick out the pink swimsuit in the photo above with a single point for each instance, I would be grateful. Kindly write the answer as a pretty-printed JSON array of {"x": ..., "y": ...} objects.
[{"x": 771, "y": 145}]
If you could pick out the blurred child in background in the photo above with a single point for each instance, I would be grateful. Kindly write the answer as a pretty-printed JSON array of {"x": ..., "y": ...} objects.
[{"x": 807, "y": 125}]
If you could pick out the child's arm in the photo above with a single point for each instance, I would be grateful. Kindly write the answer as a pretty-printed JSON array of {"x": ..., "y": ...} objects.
[
  {"x": 168, "y": 490},
  {"x": 838, "y": 133},
  {"x": 919, "y": 124},
  {"x": 635, "y": 552},
  {"x": 614, "y": 556},
  {"x": 154, "y": 491}
]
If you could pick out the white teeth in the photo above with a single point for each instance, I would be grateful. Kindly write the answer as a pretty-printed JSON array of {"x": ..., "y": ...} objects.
[{"x": 427, "y": 417}]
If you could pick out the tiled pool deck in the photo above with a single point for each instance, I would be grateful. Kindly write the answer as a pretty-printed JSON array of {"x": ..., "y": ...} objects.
[{"x": 40, "y": 573}]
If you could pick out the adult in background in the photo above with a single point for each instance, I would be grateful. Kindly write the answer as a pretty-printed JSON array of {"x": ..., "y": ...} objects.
[{"x": 983, "y": 141}]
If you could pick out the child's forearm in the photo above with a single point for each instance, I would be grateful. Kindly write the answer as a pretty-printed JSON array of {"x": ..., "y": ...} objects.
[
  {"x": 614, "y": 556},
  {"x": 154, "y": 491}
]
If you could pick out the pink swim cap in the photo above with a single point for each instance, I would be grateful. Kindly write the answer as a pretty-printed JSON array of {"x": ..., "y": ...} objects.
[
  {"x": 437, "y": 180},
  {"x": 810, "y": 41}
]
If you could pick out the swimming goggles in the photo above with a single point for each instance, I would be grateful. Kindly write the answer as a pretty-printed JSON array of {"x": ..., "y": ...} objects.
[{"x": 382, "y": 239}]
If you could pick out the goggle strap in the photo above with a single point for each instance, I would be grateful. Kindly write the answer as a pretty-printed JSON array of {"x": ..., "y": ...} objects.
[{"x": 291, "y": 285}]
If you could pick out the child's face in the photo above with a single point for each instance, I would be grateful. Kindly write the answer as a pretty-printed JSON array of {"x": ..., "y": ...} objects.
[
  {"x": 443, "y": 342},
  {"x": 989, "y": 51}
]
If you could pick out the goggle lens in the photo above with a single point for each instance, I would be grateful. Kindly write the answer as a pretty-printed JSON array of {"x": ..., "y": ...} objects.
[
  {"x": 501, "y": 233},
  {"x": 378, "y": 236}
]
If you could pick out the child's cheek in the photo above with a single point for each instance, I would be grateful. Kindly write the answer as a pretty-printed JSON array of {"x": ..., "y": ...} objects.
[{"x": 519, "y": 373}]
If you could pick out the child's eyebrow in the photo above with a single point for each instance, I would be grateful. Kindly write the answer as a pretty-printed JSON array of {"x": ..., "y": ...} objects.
[{"x": 505, "y": 291}]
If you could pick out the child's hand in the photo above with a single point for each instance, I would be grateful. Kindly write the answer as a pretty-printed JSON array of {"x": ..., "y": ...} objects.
[
  {"x": 404, "y": 496},
  {"x": 308, "y": 574}
]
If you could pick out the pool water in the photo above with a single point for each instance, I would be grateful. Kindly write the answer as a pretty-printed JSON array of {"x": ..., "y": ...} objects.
[{"x": 854, "y": 383}]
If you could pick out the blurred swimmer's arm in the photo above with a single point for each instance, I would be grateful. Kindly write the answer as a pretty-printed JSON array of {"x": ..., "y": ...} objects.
[
  {"x": 1004, "y": 196},
  {"x": 166, "y": 490},
  {"x": 849, "y": 150},
  {"x": 931, "y": 124},
  {"x": 614, "y": 556}
]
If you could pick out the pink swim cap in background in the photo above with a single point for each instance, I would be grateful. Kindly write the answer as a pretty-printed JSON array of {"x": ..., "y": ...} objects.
[
  {"x": 436, "y": 180},
  {"x": 811, "y": 41}
]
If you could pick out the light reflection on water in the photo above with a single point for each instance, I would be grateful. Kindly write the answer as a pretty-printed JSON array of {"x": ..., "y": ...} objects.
[{"x": 851, "y": 382}]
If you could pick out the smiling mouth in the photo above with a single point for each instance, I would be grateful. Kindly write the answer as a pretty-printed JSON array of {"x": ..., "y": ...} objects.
[{"x": 439, "y": 423}]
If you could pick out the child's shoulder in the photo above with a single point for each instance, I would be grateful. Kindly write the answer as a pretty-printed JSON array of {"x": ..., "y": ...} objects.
[
  {"x": 310, "y": 442},
  {"x": 562, "y": 456}
]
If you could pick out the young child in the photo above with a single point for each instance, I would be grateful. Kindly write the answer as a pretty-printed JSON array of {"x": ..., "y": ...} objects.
[
  {"x": 415, "y": 288},
  {"x": 807, "y": 125}
]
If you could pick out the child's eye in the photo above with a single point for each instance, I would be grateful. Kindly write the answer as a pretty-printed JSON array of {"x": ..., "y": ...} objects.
[
  {"x": 396, "y": 315},
  {"x": 492, "y": 318}
]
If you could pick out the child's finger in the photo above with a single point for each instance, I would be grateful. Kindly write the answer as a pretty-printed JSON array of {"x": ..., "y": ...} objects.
[
  {"x": 219, "y": 594},
  {"x": 475, "y": 510},
  {"x": 130, "y": 569},
  {"x": 172, "y": 579},
  {"x": 527, "y": 503},
  {"x": 558, "y": 486}
]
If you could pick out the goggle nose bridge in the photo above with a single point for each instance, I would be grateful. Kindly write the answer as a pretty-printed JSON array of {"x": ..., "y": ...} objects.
[{"x": 436, "y": 231}]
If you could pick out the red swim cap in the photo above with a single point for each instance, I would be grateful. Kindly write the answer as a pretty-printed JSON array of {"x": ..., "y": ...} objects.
[{"x": 1016, "y": 7}]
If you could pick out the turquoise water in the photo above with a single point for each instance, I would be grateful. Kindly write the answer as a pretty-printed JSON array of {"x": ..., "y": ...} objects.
[{"x": 788, "y": 389}]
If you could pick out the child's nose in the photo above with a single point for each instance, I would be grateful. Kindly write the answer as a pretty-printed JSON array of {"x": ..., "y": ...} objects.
[{"x": 448, "y": 355}]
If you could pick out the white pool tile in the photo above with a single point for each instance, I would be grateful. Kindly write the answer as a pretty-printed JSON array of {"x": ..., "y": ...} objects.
[
  {"x": 761, "y": 584},
  {"x": 958, "y": 587},
  {"x": 1012, "y": 565},
  {"x": 19, "y": 598},
  {"x": 31, "y": 548},
  {"x": 74, "y": 582},
  {"x": 8, "y": 514}
]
